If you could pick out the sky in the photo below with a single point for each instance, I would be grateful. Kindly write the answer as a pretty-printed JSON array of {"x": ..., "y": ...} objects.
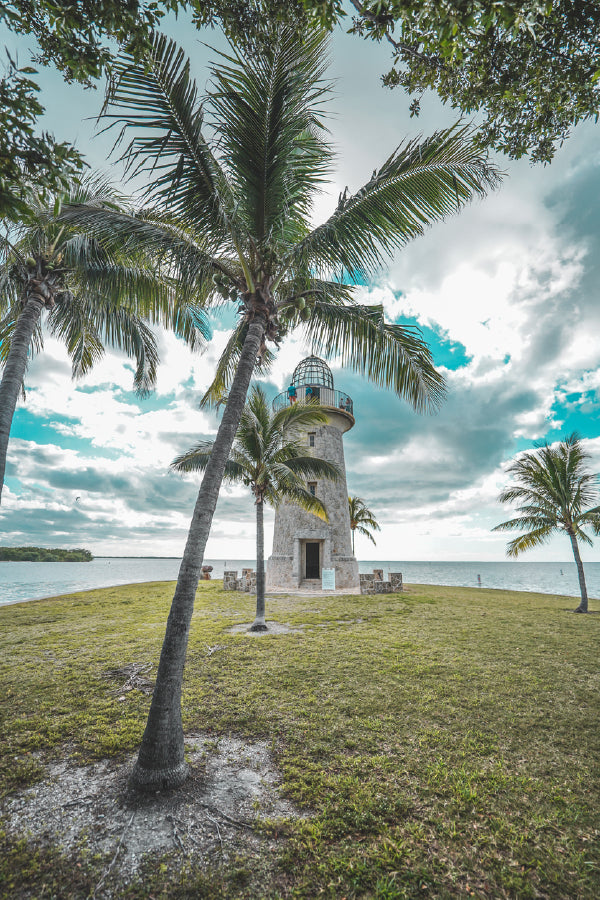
[{"x": 506, "y": 294}]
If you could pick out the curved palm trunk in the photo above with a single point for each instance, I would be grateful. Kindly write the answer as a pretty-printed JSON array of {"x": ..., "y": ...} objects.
[
  {"x": 583, "y": 606},
  {"x": 259, "y": 623},
  {"x": 353, "y": 541},
  {"x": 14, "y": 370},
  {"x": 161, "y": 762}
]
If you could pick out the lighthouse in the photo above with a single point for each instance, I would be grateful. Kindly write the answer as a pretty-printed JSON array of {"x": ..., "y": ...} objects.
[{"x": 305, "y": 548}]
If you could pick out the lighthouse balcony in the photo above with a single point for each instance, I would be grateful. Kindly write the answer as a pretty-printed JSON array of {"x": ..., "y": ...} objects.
[{"x": 326, "y": 396}]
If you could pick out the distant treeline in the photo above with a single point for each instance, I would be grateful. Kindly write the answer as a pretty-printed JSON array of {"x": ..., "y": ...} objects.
[{"x": 43, "y": 554}]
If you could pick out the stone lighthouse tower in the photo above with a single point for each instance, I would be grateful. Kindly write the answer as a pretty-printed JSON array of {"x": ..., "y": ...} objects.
[{"x": 304, "y": 545}]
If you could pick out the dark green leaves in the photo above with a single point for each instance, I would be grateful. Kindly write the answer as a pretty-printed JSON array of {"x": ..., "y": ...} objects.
[
  {"x": 528, "y": 66},
  {"x": 233, "y": 208},
  {"x": 104, "y": 291},
  {"x": 30, "y": 162}
]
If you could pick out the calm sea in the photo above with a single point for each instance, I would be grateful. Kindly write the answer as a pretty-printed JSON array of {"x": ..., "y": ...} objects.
[{"x": 30, "y": 580}]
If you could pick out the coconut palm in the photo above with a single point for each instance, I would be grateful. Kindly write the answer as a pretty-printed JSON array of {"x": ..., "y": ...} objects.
[
  {"x": 95, "y": 295},
  {"x": 361, "y": 519},
  {"x": 269, "y": 456},
  {"x": 229, "y": 209},
  {"x": 555, "y": 491}
]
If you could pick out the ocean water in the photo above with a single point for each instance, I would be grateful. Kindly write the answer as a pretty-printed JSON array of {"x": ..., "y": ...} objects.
[{"x": 32, "y": 580}]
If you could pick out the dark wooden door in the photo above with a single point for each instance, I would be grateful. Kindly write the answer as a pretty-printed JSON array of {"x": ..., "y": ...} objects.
[{"x": 312, "y": 560}]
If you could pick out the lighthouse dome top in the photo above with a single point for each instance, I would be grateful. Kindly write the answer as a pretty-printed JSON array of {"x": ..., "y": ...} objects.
[{"x": 313, "y": 371}]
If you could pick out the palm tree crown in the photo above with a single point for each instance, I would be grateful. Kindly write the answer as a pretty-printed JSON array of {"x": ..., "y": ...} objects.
[
  {"x": 269, "y": 455},
  {"x": 94, "y": 293},
  {"x": 555, "y": 492},
  {"x": 233, "y": 176},
  {"x": 361, "y": 519}
]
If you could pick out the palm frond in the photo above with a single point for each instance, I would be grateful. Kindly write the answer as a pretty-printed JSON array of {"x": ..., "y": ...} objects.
[
  {"x": 157, "y": 97},
  {"x": 360, "y": 514},
  {"x": 527, "y": 541},
  {"x": 311, "y": 467},
  {"x": 176, "y": 251},
  {"x": 421, "y": 183},
  {"x": 301, "y": 497},
  {"x": 392, "y": 356},
  {"x": 71, "y": 323},
  {"x": 305, "y": 286},
  {"x": 553, "y": 488},
  {"x": 530, "y": 521},
  {"x": 86, "y": 327},
  {"x": 291, "y": 420},
  {"x": 591, "y": 517},
  {"x": 266, "y": 458},
  {"x": 582, "y": 536},
  {"x": 362, "y": 530},
  {"x": 196, "y": 460},
  {"x": 270, "y": 135}
]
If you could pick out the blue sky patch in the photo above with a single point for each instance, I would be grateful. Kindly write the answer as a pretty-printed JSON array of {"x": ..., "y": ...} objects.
[
  {"x": 448, "y": 353},
  {"x": 29, "y": 427}
]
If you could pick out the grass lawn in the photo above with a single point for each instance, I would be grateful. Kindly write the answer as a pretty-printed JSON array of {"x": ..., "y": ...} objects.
[{"x": 443, "y": 741}]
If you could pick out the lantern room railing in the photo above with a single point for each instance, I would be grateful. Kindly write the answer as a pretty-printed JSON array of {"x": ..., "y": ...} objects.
[{"x": 326, "y": 397}]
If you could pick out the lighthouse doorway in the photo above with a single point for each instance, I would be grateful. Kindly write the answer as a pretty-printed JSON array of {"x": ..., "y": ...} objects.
[{"x": 313, "y": 568}]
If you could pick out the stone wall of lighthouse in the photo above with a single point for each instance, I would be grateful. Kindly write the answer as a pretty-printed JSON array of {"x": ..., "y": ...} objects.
[{"x": 304, "y": 545}]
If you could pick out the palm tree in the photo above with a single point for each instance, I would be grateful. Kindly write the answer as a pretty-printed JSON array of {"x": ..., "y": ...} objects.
[
  {"x": 269, "y": 456},
  {"x": 229, "y": 209},
  {"x": 555, "y": 491},
  {"x": 95, "y": 295},
  {"x": 361, "y": 519}
]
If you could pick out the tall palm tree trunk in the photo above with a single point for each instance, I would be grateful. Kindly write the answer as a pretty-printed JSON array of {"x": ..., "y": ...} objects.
[
  {"x": 161, "y": 762},
  {"x": 259, "y": 623},
  {"x": 583, "y": 606},
  {"x": 14, "y": 370}
]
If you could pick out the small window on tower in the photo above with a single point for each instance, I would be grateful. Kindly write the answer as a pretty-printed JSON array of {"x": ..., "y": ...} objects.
[
  {"x": 312, "y": 487},
  {"x": 311, "y": 439}
]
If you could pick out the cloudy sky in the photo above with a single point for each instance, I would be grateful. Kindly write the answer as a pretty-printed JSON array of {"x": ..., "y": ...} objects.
[{"x": 506, "y": 294}]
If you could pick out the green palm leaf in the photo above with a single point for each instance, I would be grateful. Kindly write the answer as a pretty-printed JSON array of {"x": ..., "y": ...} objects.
[
  {"x": 528, "y": 541},
  {"x": 270, "y": 136},
  {"x": 421, "y": 183},
  {"x": 159, "y": 100},
  {"x": 266, "y": 454},
  {"x": 393, "y": 356},
  {"x": 227, "y": 366}
]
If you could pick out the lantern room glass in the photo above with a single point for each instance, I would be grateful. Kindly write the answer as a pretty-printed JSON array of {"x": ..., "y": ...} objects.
[{"x": 313, "y": 371}]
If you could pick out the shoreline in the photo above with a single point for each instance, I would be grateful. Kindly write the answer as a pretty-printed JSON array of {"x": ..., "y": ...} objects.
[{"x": 103, "y": 587}]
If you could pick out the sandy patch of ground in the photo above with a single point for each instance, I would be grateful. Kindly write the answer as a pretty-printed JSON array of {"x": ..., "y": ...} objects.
[
  {"x": 272, "y": 628},
  {"x": 285, "y": 628},
  {"x": 232, "y": 786}
]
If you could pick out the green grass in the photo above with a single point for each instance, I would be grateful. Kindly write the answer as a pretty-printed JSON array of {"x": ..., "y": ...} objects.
[{"x": 445, "y": 740}]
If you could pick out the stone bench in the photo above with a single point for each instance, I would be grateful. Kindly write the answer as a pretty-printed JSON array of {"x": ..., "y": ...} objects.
[
  {"x": 247, "y": 582},
  {"x": 375, "y": 584}
]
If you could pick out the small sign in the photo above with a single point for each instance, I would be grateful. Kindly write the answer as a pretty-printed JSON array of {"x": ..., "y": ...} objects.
[{"x": 328, "y": 580}]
